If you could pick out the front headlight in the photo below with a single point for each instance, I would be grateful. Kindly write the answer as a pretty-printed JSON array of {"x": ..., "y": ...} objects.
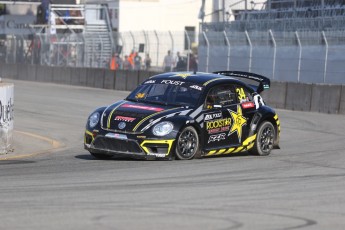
[
  {"x": 94, "y": 119},
  {"x": 163, "y": 128}
]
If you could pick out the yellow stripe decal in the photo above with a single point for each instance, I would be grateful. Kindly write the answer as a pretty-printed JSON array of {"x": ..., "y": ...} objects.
[
  {"x": 250, "y": 146},
  {"x": 247, "y": 144},
  {"x": 249, "y": 140},
  {"x": 111, "y": 114},
  {"x": 211, "y": 153},
  {"x": 148, "y": 117},
  {"x": 229, "y": 150},
  {"x": 206, "y": 83},
  {"x": 169, "y": 142},
  {"x": 239, "y": 149},
  {"x": 88, "y": 133},
  {"x": 221, "y": 151}
]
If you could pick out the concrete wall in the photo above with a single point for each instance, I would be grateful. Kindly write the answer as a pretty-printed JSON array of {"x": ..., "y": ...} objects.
[{"x": 323, "y": 98}]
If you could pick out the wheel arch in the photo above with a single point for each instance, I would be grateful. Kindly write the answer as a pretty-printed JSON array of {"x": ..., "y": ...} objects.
[{"x": 276, "y": 126}]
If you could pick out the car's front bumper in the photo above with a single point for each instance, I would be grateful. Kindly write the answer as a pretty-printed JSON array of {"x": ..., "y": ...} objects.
[{"x": 117, "y": 145}]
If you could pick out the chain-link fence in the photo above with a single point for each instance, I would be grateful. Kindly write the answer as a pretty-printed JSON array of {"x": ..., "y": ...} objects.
[
  {"x": 299, "y": 56},
  {"x": 90, "y": 50}
]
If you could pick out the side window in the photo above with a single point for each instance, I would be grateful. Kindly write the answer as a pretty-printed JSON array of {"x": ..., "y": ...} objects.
[
  {"x": 223, "y": 95},
  {"x": 243, "y": 95}
]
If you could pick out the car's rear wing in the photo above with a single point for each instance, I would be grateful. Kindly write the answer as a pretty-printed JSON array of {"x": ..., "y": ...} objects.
[{"x": 264, "y": 82}]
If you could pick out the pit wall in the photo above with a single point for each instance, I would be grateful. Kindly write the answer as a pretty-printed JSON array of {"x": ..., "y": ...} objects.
[{"x": 321, "y": 98}]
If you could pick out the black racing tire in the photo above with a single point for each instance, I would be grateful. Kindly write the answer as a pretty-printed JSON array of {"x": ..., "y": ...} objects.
[
  {"x": 264, "y": 141},
  {"x": 101, "y": 156},
  {"x": 187, "y": 144}
]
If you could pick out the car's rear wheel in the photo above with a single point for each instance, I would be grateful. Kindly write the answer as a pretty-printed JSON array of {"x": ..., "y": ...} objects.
[
  {"x": 265, "y": 139},
  {"x": 101, "y": 156},
  {"x": 187, "y": 145}
]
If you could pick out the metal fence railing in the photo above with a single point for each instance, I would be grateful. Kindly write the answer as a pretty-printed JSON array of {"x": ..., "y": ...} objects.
[
  {"x": 305, "y": 56},
  {"x": 299, "y": 56},
  {"x": 85, "y": 49}
]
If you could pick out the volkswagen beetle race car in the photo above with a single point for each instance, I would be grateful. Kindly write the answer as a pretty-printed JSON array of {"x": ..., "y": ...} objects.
[{"x": 185, "y": 116}]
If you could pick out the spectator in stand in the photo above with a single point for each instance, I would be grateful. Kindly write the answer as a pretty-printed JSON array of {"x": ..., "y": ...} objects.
[
  {"x": 147, "y": 62},
  {"x": 113, "y": 62},
  {"x": 137, "y": 61},
  {"x": 131, "y": 58},
  {"x": 168, "y": 62},
  {"x": 193, "y": 63},
  {"x": 180, "y": 63},
  {"x": 127, "y": 64},
  {"x": 119, "y": 61}
]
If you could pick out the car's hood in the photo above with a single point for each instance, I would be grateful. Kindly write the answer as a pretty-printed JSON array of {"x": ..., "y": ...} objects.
[{"x": 132, "y": 117}]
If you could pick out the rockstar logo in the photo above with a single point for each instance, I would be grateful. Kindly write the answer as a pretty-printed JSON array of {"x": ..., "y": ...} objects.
[
  {"x": 183, "y": 75},
  {"x": 238, "y": 122}
]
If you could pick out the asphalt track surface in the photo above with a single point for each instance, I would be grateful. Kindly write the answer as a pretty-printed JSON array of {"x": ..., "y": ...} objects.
[{"x": 300, "y": 186}]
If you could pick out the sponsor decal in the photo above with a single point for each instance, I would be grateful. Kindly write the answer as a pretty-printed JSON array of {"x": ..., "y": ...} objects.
[
  {"x": 248, "y": 105},
  {"x": 126, "y": 119},
  {"x": 219, "y": 125},
  {"x": 171, "y": 82},
  {"x": 213, "y": 116},
  {"x": 246, "y": 145},
  {"x": 140, "y": 95},
  {"x": 183, "y": 75},
  {"x": 141, "y": 137},
  {"x": 196, "y": 87},
  {"x": 241, "y": 94},
  {"x": 217, "y": 137},
  {"x": 219, "y": 130},
  {"x": 238, "y": 122},
  {"x": 122, "y": 125},
  {"x": 150, "y": 82},
  {"x": 117, "y": 136},
  {"x": 157, "y": 154},
  {"x": 6, "y": 111},
  {"x": 258, "y": 101},
  {"x": 142, "y": 107}
]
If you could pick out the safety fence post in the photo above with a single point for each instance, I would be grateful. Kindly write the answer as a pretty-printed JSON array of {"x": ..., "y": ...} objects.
[
  {"x": 326, "y": 56},
  {"x": 300, "y": 56},
  {"x": 208, "y": 50},
  {"x": 274, "y": 52},
  {"x": 157, "y": 46},
  {"x": 229, "y": 48},
  {"x": 250, "y": 51},
  {"x": 172, "y": 46},
  {"x": 188, "y": 53},
  {"x": 133, "y": 39}
]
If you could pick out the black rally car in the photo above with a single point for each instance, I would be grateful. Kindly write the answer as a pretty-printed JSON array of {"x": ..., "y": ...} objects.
[{"x": 185, "y": 116}]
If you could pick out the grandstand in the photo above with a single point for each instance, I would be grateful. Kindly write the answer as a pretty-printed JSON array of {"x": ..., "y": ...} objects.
[
  {"x": 287, "y": 15},
  {"x": 287, "y": 40}
]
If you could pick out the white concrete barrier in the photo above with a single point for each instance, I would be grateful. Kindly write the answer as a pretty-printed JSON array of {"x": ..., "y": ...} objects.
[{"x": 6, "y": 116}]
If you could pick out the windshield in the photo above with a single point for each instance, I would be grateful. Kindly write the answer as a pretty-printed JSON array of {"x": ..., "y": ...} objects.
[{"x": 167, "y": 92}]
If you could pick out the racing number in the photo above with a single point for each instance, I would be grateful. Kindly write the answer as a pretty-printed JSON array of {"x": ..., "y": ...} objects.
[{"x": 241, "y": 95}]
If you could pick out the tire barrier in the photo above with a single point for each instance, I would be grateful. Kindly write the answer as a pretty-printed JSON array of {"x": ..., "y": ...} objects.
[
  {"x": 6, "y": 117},
  {"x": 323, "y": 98}
]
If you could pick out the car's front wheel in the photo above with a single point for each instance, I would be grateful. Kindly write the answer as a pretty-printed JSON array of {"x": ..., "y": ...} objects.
[
  {"x": 265, "y": 139},
  {"x": 187, "y": 145},
  {"x": 101, "y": 156}
]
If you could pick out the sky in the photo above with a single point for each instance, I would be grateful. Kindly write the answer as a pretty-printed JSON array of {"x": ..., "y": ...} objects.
[{"x": 164, "y": 15}]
